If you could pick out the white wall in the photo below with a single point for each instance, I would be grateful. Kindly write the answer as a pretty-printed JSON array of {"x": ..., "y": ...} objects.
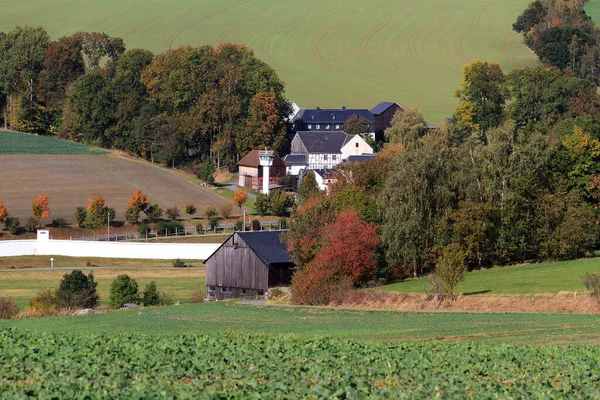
[
  {"x": 79, "y": 248},
  {"x": 351, "y": 148}
]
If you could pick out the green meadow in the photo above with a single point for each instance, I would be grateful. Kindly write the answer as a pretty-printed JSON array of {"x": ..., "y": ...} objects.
[
  {"x": 329, "y": 52},
  {"x": 23, "y": 143}
]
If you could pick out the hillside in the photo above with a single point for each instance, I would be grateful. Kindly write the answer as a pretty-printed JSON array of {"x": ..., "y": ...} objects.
[
  {"x": 69, "y": 177},
  {"x": 329, "y": 52}
]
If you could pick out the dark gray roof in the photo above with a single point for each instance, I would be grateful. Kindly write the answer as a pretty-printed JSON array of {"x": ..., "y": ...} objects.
[
  {"x": 324, "y": 173},
  {"x": 381, "y": 107},
  {"x": 295, "y": 159},
  {"x": 327, "y": 142},
  {"x": 360, "y": 158},
  {"x": 267, "y": 246},
  {"x": 330, "y": 115}
]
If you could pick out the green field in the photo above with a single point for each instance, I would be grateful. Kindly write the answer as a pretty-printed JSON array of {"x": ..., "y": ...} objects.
[
  {"x": 593, "y": 10},
  {"x": 236, "y": 366},
  {"x": 210, "y": 318},
  {"x": 329, "y": 52},
  {"x": 22, "y": 143},
  {"x": 523, "y": 279}
]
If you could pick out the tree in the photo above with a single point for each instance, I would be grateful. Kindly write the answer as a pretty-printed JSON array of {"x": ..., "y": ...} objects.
[
  {"x": 76, "y": 290},
  {"x": 150, "y": 295},
  {"x": 207, "y": 171},
  {"x": 96, "y": 212},
  {"x": 226, "y": 208},
  {"x": 481, "y": 97},
  {"x": 451, "y": 268},
  {"x": 3, "y": 213},
  {"x": 123, "y": 290},
  {"x": 533, "y": 15},
  {"x": 240, "y": 196},
  {"x": 96, "y": 45},
  {"x": 172, "y": 213},
  {"x": 209, "y": 211},
  {"x": 408, "y": 126},
  {"x": 279, "y": 202},
  {"x": 190, "y": 208},
  {"x": 139, "y": 201},
  {"x": 40, "y": 208},
  {"x": 356, "y": 126},
  {"x": 265, "y": 128},
  {"x": 308, "y": 188},
  {"x": 560, "y": 44}
]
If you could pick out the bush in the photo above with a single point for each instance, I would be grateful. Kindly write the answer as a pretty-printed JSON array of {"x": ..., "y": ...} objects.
[
  {"x": 59, "y": 223},
  {"x": 256, "y": 225},
  {"x": 279, "y": 202},
  {"x": 8, "y": 308},
  {"x": 76, "y": 290},
  {"x": 154, "y": 212},
  {"x": 209, "y": 211},
  {"x": 132, "y": 215},
  {"x": 172, "y": 213},
  {"x": 199, "y": 228},
  {"x": 189, "y": 208},
  {"x": 207, "y": 171},
  {"x": 435, "y": 289},
  {"x": 80, "y": 216},
  {"x": 44, "y": 303},
  {"x": 213, "y": 222},
  {"x": 262, "y": 204},
  {"x": 198, "y": 295},
  {"x": 451, "y": 268},
  {"x": 143, "y": 229},
  {"x": 13, "y": 224},
  {"x": 226, "y": 209},
  {"x": 166, "y": 299},
  {"x": 179, "y": 263},
  {"x": 170, "y": 228},
  {"x": 123, "y": 290},
  {"x": 592, "y": 283},
  {"x": 31, "y": 224},
  {"x": 150, "y": 296},
  {"x": 239, "y": 225},
  {"x": 317, "y": 286}
]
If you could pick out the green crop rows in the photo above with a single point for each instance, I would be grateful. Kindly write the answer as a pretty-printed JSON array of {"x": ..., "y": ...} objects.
[
  {"x": 19, "y": 143},
  {"x": 45, "y": 365}
]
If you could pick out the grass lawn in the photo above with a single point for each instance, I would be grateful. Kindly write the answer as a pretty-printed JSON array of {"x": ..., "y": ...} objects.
[
  {"x": 541, "y": 278},
  {"x": 23, "y": 143},
  {"x": 21, "y": 285},
  {"x": 210, "y": 318},
  {"x": 406, "y": 51}
]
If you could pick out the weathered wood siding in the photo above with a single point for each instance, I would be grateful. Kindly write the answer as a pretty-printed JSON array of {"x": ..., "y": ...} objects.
[
  {"x": 239, "y": 267},
  {"x": 297, "y": 146}
]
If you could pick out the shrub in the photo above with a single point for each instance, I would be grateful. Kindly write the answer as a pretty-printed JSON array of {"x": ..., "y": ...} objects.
[
  {"x": 256, "y": 225},
  {"x": 166, "y": 299},
  {"x": 239, "y": 225},
  {"x": 199, "y": 228},
  {"x": 213, "y": 222},
  {"x": 132, "y": 215},
  {"x": 59, "y": 223},
  {"x": 80, "y": 216},
  {"x": 592, "y": 283},
  {"x": 96, "y": 212},
  {"x": 207, "y": 171},
  {"x": 143, "y": 229},
  {"x": 262, "y": 204},
  {"x": 209, "y": 211},
  {"x": 76, "y": 290},
  {"x": 226, "y": 209},
  {"x": 31, "y": 224},
  {"x": 170, "y": 228},
  {"x": 435, "y": 289},
  {"x": 44, "y": 303},
  {"x": 172, "y": 213},
  {"x": 153, "y": 212},
  {"x": 189, "y": 208},
  {"x": 279, "y": 202},
  {"x": 179, "y": 263},
  {"x": 123, "y": 290},
  {"x": 451, "y": 268},
  {"x": 13, "y": 224},
  {"x": 198, "y": 295},
  {"x": 317, "y": 285},
  {"x": 150, "y": 296},
  {"x": 8, "y": 308}
]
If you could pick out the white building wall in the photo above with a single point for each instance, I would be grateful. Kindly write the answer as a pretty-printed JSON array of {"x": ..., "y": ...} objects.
[
  {"x": 356, "y": 146},
  {"x": 80, "y": 248},
  {"x": 294, "y": 170}
]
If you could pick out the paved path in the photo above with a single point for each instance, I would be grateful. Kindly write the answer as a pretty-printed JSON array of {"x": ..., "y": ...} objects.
[{"x": 233, "y": 186}]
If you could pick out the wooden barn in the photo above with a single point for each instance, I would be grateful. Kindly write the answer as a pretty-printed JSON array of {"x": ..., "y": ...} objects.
[
  {"x": 247, "y": 265},
  {"x": 251, "y": 172}
]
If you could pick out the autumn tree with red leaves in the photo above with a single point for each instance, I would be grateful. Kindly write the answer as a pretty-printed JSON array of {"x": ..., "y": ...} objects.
[
  {"x": 240, "y": 196},
  {"x": 139, "y": 202},
  {"x": 3, "y": 212},
  {"x": 40, "y": 208},
  {"x": 347, "y": 257}
]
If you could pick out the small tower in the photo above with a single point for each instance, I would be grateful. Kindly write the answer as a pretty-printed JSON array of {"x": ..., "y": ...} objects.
[{"x": 266, "y": 158}]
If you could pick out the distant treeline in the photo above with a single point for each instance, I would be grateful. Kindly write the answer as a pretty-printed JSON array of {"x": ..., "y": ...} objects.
[{"x": 184, "y": 105}]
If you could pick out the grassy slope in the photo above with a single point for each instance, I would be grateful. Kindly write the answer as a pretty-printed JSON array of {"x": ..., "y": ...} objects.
[
  {"x": 21, "y": 285},
  {"x": 525, "y": 279},
  {"x": 211, "y": 318},
  {"x": 329, "y": 52},
  {"x": 22, "y": 143},
  {"x": 593, "y": 10}
]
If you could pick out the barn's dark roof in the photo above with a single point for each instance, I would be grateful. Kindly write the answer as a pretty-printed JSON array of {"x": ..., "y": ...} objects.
[
  {"x": 323, "y": 173},
  {"x": 295, "y": 159},
  {"x": 324, "y": 141},
  {"x": 267, "y": 246},
  {"x": 330, "y": 115},
  {"x": 251, "y": 160},
  {"x": 381, "y": 107},
  {"x": 360, "y": 158}
]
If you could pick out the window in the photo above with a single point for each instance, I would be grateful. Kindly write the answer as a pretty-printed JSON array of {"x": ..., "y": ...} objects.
[
  {"x": 261, "y": 293},
  {"x": 333, "y": 157},
  {"x": 211, "y": 288},
  {"x": 223, "y": 290},
  {"x": 243, "y": 291},
  {"x": 327, "y": 127},
  {"x": 337, "y": 127},
  {"x": 309, "y": 126},
  {"x": 318, "y": 126},
  {"x": 325, "y": 157},
  {"x": 357, "y": 145},
  {"x": 333, "y": 117}
]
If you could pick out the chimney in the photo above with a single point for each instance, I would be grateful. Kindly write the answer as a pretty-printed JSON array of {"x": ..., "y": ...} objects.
[
  {"x": 318, "y": 108},
  {"x": 343, "y": 108}
]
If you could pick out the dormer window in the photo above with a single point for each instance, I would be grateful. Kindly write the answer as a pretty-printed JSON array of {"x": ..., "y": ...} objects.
[
  {"x": 318, "y": 126},
  {"x": 337, "y": 127},
  {"x": 327, "y": 127},
  {"x": 309, "y": 126},
  {"x": 357, "y": 145},
  {"x": 312, "y": 117},
  {"x": 333, "y": 117}
]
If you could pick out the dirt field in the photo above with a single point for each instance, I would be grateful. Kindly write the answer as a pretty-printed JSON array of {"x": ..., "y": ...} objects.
[{"x": 69, "y": 180}]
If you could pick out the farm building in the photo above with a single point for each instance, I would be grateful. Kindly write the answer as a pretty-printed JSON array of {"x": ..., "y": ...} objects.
[
  {"x": 383, "y": 114},
  {"x": 247, "y": 265},
  {"x": 251, "y": 173},
  {"x": 326, "y": 119}
]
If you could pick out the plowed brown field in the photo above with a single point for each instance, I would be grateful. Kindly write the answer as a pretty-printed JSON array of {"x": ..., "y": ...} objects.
[{"x": 69, "y": 180}]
